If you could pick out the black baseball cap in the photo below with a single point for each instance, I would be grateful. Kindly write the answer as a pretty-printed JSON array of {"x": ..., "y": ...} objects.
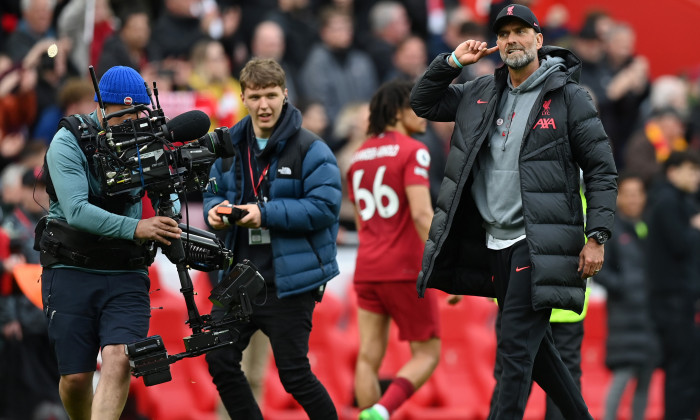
[{"x": 516, "y": 11}]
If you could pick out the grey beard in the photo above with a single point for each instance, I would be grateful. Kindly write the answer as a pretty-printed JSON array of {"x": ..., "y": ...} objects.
[{"x": 519, "y": 62}]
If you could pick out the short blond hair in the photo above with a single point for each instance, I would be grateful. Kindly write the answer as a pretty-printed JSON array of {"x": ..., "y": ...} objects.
[{"x": 261, "y": 73}]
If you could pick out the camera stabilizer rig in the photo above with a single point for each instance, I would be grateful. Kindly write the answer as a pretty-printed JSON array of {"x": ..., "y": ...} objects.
[
  {"x": 148, "y": 357},
  {"x": 159, "y": 156}
]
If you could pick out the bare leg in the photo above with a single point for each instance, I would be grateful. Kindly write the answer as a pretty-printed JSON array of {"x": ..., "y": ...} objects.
[
  {"x": 374, "y": 337},
  {"x": 424, "y": 360},
  {"x": 113, "y": 387},
  {"x": 76, "y": 394}
]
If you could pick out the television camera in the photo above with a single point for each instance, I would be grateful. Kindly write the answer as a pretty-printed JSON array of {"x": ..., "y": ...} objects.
[{"x": 164, "y": 157}]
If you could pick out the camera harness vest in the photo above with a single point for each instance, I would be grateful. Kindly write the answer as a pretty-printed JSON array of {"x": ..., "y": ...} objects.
[{"x": 61, "y": 243}]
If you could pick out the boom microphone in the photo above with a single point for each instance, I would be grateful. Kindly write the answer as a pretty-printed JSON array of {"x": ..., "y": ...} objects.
[{"x": 187, "y": 126}]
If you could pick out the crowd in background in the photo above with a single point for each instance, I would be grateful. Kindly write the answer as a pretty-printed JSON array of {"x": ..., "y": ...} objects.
[{"x": 335, "y": 53}]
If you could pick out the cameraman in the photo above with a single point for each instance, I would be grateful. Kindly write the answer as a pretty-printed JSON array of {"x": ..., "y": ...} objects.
[
  {"x": 95, "y": 265},
  {"x": 288, "y": 181}
]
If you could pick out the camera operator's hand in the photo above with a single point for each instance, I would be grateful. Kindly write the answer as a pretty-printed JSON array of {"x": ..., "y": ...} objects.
[
  {"x": 215, "y": 219},
  {"x": 253, "y": 218},
  {"x": 158, "y": 228}
]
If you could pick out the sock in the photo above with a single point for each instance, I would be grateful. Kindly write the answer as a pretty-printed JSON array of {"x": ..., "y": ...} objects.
[
  {"x": 381, "y": 410},
  {"x": 399, "y": 391}
]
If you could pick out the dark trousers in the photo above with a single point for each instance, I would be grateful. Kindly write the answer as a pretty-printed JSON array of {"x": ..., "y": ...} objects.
[
  {"x": 674, "y": 319},
  {"x": 568, "y": 337},
  {"x": 287, "y": 322},
  {"x": 526, "y": 346}
]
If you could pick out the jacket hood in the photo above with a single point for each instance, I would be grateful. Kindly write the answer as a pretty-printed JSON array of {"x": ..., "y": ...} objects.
[{"x": 571, "y": 62}]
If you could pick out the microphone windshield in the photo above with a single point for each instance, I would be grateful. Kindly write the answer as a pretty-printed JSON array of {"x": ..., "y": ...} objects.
[{"x": 187, "y": 126}]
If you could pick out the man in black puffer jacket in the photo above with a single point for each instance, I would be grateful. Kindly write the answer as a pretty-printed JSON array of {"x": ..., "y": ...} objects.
[{"x": 509, "y": 221}]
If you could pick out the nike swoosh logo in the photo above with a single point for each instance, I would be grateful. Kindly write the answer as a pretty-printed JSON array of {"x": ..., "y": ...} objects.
[
  {"x": 481, "y": 102},
  {"x": 518, "y": 269}
]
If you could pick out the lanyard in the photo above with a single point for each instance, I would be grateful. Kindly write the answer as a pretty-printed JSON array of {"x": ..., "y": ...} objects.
[{"x": 262, "y": 176}]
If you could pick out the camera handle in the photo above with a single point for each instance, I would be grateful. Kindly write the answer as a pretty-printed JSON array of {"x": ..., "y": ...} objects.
[{"x": 176, "y": 254}]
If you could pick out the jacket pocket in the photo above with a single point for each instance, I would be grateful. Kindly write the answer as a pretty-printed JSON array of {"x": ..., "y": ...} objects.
[
  {"x": 315, "y": 251},
  {"x": 562, "y": 154}
]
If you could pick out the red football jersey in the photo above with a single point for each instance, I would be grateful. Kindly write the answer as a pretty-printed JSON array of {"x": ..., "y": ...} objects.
[{"x": 381, "y": 169}]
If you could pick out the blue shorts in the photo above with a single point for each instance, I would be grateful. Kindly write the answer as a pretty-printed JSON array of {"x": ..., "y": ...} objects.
[{"x": 87, "y": 311}]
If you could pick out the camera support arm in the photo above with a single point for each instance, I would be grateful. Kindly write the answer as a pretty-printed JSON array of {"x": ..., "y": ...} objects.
[{"x": 176, "y": 254}]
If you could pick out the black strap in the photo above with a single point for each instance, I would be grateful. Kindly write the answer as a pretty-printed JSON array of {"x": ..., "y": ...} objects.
[
  {"x": 62, "y": 244},
  {"x": 85, "y": 131}
]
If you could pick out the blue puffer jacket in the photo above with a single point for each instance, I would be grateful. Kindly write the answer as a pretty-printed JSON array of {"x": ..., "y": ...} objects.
[{"x": 302, "y": 208}]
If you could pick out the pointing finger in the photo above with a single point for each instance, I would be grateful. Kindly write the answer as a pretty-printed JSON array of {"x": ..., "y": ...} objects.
[{"x": 491, "y": 50}]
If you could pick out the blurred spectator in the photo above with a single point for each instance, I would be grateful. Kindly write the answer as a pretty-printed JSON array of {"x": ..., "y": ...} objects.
[
  {"x": 9, "y": 18},
  {"x": 87, "y": 23},
  {"x": 300, "y": 25},
  {"x": 35, "y": 25},
  {"x": 268, "y": 42},
  {"x": 335, "y": 73},
  {"x": 694, "y": 112},
  {"x": 51, "y": 74},
  {"x": 632, "y": 348},
  {"x": 17, "y": 106},
  {"x": 211, "y": 78},
  {"x": 589, "y": 47},
  {"x": 27, "y": 365},
  {"x": 11, "y": 187},
  {"x": 314, "y": 118},
  {"x": 438, "y": 157},
  {"x": 76, "y": 96},
  {"x": 389, "y": 26},
  {"x": 627, "y": 89},
  {"x": 30, "y": 206},
  {"x": 670, "y": 91},
  {"x": 453, "y": 33},
  {"x": 178, "y": 28},
  {"x": 651, "y": 145},
  {"x": 601, "y": 21},
  {"x": 554, "y": 26},
  {"x": 350, "y": 129},
  {"x": 127, "y": 47},
  {"x": 410, "y": 59},
  {"x": 672, "y": 264}
]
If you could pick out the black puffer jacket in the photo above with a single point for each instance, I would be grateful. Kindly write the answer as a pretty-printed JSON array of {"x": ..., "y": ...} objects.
[
  {"x": 631, "y": 338},
  {"x": 566, "y": 135}
]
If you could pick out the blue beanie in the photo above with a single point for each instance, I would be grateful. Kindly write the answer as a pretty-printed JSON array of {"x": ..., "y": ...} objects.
[{"x": 123, "y": 86}]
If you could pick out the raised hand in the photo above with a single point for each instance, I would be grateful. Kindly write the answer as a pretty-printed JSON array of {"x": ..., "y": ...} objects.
[{"x": 471, "y": 51}]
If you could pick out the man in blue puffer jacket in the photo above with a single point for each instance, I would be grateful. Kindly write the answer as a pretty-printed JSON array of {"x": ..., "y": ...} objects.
[{"x": 288, "y": 182}]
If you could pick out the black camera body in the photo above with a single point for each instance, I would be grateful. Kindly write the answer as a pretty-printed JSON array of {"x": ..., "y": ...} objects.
[{"x": 137, "y": 154}]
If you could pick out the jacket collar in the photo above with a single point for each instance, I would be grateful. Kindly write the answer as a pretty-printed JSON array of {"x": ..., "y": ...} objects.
[{"x": 571, "y": 62}]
